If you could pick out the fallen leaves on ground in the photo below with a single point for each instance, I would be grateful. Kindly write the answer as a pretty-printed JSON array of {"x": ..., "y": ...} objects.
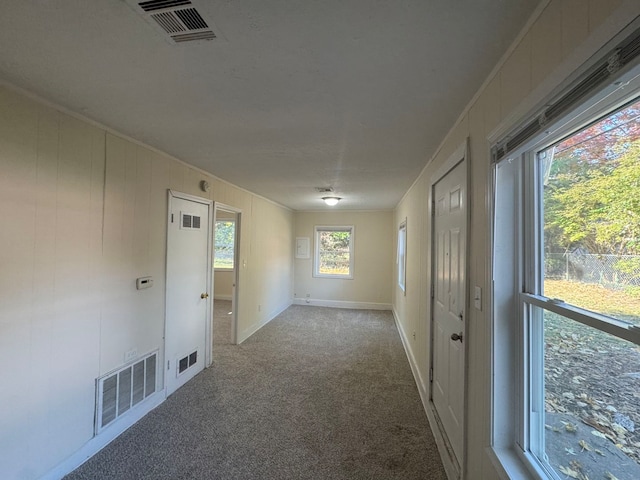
[{"x": 595, "y": 378}]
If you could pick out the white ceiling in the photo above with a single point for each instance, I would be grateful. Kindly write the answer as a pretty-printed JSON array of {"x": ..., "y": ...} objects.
[{"x": 293, "y": 94}]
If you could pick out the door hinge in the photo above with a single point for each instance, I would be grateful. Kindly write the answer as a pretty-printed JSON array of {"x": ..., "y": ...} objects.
[
  {"x": 433, "y": 291},
  {"x": 167, "y": 364},
  {"x": 172, "y": 218},
  {"x": 431, "y": 374},
  {"x": 433, "y": 208}
]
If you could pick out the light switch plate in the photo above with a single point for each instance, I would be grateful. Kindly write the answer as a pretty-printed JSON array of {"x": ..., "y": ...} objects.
[{"x": 477, "y": 298}]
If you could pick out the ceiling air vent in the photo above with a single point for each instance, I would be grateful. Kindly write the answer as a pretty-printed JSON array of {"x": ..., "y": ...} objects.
[
  {"x": 324, "y": 189},
  {"x": 153, "y": 5},
  {"x": 178, "y": 20}
]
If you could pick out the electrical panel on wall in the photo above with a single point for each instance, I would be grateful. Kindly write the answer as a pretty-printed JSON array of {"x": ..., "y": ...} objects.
[{"x": 302, "y": 247}]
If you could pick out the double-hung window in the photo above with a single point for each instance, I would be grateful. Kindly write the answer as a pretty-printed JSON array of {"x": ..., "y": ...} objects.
[
  {"x": 567, "y": 294},
  {"x": 334, "y": 252}
]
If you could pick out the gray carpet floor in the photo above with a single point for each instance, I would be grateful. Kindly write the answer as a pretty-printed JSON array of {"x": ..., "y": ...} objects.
[
  {"x": 317, "y": 393},
  {"x": 222, "y": 322}
]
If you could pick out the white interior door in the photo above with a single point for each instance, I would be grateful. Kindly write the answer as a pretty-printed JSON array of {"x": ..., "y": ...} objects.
[
  {"x": 449, "y": 304},
  {"x": 188, "y": 279}
]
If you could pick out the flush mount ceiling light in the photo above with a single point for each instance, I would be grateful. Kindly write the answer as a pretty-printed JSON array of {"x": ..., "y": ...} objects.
[{"x": 331, "y": 201}]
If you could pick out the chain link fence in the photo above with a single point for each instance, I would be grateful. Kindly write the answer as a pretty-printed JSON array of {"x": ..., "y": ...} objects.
[{"x": 613, "y": 271}]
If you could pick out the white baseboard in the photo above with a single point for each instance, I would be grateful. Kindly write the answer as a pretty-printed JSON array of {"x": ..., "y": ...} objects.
[
  {"x": 105, "y": 437},
  {"x": 242, "y": 336},
  {"x": 420, "y": 383},
  {"x": 451, "y": 469},
  {"x": 222, "y": 297},
  {"x": 314, "y": 302}
]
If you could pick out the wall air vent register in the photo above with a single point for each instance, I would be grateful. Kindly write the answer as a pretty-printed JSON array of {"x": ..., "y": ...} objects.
[{"x": 119, "y": 391}]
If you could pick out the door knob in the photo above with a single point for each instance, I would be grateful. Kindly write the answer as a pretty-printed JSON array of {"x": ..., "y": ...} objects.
[
  {"x": 204, "y": 295},
  {"x": 456, "y": 336}
]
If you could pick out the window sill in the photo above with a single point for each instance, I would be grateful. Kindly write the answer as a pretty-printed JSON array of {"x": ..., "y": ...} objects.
[
  {"x": 339, "y": 277},
  {"x": 510, "y": 465},
  {"x": 223, "y": 269}
]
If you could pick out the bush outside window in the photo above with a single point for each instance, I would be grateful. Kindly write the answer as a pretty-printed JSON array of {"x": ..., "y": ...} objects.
[
  {"x": 224, "y": 245},
  {"x": 333, "y": 252}
]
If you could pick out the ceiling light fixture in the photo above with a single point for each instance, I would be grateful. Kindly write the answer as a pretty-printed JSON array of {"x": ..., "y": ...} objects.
[{"x": 331, "y": 201}]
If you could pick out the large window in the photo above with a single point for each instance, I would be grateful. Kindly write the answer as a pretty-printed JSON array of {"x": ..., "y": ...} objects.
[
  {"x": 333, "y": 252},
  {"x": 225, "y": 238},
  {"x": 575, "y": 244}
]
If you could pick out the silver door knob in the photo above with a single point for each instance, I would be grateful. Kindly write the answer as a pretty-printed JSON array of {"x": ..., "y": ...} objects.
[
  {"x": 456, "y": 336},
  {"x": 204, "y": 295}
]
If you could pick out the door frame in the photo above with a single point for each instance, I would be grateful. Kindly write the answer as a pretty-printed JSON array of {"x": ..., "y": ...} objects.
[
  {"x": 454, "y": 466},
  {"x": 236, "y": 271},
  {"x": 171, "y": 194}
]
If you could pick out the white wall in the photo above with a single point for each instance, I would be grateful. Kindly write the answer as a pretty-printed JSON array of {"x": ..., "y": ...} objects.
[
  {"x": 223, "y": 284},
  {"x": 84, "y": 214},
  {"x": 51, "y": 190},
  {"x": 373, "y": 264},
  {"x": 563, "y": 37}
]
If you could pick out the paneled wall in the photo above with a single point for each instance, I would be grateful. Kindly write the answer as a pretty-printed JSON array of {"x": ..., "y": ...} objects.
[
  {"x": 84, "y": 214},
  {"x": 51, "y": 191},
  {"x": 563, "y": 35}
]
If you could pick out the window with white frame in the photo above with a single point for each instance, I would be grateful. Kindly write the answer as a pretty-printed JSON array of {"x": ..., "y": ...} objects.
[
  {"x": 333, "y": 252},
  {"x": 566, "y": 256},
  {"x": 402, "y": 256}
]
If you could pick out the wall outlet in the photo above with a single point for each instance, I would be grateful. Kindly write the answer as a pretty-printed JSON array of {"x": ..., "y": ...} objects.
[
  {"x": 259, "y": 307},
  {"x": 414, "y": 335},
  {"x": 130, "y": 355}
]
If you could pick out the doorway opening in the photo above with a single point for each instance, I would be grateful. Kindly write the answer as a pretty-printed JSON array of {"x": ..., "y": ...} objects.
[{"x": 226, "y": 269}]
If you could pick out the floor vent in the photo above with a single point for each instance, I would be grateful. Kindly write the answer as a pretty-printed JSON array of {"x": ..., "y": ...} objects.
[
  {"x": 123, "y": 389},
  {"x": 178, "y": 20}
]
